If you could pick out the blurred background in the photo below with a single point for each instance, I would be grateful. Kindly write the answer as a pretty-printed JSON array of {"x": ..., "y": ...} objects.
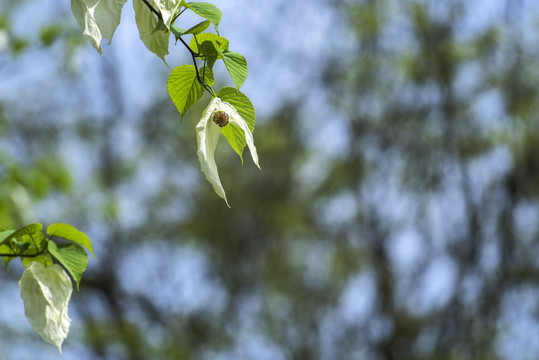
[{"x": 396, "y": 215}]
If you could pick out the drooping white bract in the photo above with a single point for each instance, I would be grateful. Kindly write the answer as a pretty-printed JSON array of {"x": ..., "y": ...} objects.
[
  {"x": 45, "y": 292},
  {"x": 97, "y": 19},
  {"x": 208, "y": 136}
]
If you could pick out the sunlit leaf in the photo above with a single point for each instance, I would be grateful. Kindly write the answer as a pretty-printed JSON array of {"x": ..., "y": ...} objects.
[
  {"x": 207, "y": 74},
  {"x": 5, "y": 234},
  {"x": 198, "y": 28},
  {"x": 25, "y": 230},
  {"x": 72, "y": 257},
  {"x": 71, "y": 233},
  {"x": 206, "y": 10},
  {"x": 184, "y": 88},
  {"x": 209, "y": 52},
  {"x": 246, "y": 110},
  {"x": 220, "y": 42},
  {"x": 241, "y": 103},
  {"x": 45, "y": 259},
  {"x": 155, "y": 39},
  {"x": 237, "y": 67}
]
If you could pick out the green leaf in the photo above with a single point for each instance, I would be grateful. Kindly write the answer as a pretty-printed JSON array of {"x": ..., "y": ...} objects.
[
  {"x": 149, "y": 25},
  {"x": 210, "y": 53},
  {"x": 237, "y": 67},
  {"x": 198, "y": 28},
  {"x": 235, "y": 135},
  {"x": 45, "y": 259},
  {"x": 195, "y": 30},
  {"x": 6, "y": 249},
  {"x": 72, "y": 257},
  {"x": 5, "y": 234},
  {"x": 219, "y": 42},
  {"x": 97, "y": 19},
  {"x": 70, "y": 233},
  {"x": 28, "y": 240},
  {"x": 177, "y": 31},
  {"x": 236, "y": 139},
  {"x": 184, "y": 88},
  {"x": 206, "y": 10},
  {"x": 242, "y": 104},
  {"x": 207, "y": 74},
  {"x": 25, "y": 230},
  {"x": 30, "y": 244}
]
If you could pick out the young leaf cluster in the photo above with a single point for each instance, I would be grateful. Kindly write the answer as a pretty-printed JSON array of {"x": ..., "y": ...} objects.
[
  {"x": 157, "y": 20},
  {"x": 30, "y": 244}
]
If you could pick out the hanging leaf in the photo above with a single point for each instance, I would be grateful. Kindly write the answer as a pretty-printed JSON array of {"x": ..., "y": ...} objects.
[
  {"x": 45, "y": 259},
  {"x": 207, "y": 74},
  {"x": 184, "y": 88},
  {"x": 235, "y": 135},
  {"x": 72, "y": 257},
  {"x": 237, "y": 67},
  {"x": 25, "y": 230},
  {"x": 219, "y": 42},
  {"x": 70, "y": 233},
  {"x": 151, "y": 30},
  {"x": 209, "y": 53},
  {"x": 198, "y": 28},
  {"x": 206, "y": 10},
  {"x": 241, "y": 103},
  {"x": 5, "y": 235}
]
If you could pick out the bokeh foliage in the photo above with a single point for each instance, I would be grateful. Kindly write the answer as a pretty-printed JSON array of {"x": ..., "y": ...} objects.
[{"x": 418, "y": 241}]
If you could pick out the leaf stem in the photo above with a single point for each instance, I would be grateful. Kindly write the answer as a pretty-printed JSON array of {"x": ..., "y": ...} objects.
[
  {"x": 153, "y": 10},
  {"x": 193, "y": 54},
  {"x": 200, "y": 80}
]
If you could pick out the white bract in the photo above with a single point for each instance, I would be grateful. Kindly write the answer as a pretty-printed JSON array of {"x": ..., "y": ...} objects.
[
  {"x": 167, "y": 8},
  {"x": 147, "y": 23},
  {"x": 45, "y": 292},
  {"x": 208, "y": 134},
  {"x": 97, "y": 19}
]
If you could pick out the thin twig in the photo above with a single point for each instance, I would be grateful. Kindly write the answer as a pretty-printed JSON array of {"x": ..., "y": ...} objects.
[
  {"x": 153, "y": 10},
  {"x": 193, "y": 54},
  {"x": 22, "y": 255},
  {"x": 200, "y": 80}
]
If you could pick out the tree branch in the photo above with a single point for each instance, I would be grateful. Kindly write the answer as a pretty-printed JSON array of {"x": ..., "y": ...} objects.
[{"x": 23, "y": 255}]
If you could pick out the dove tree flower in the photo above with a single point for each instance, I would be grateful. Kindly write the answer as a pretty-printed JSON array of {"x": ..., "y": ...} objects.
[
  {"x": 45, "y": 291},
  {"x": 217, "y": 115}
]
